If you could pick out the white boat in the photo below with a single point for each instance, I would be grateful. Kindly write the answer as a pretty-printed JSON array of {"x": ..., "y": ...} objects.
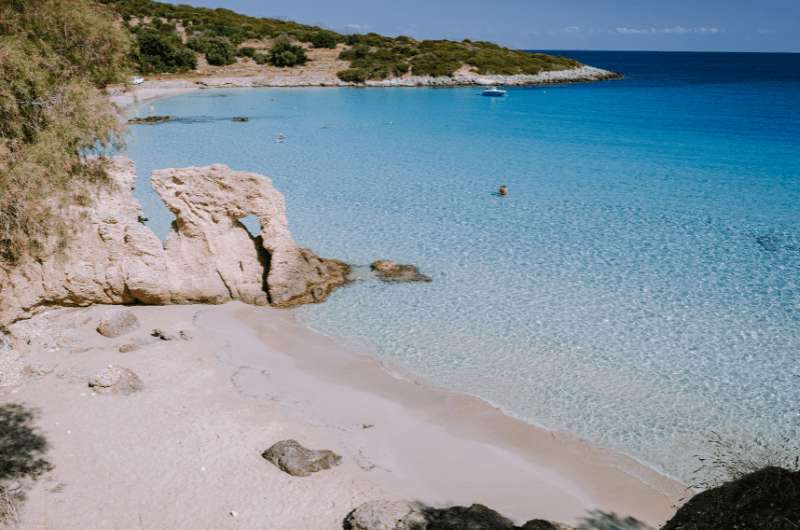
[
  {"x": 137, "y": 80},
  {"x": 493, "y": 92}
]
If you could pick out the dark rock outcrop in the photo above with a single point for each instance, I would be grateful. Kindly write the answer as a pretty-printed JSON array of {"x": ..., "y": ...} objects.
[
  {"x": 296, "y": 460},
  {"x": 150, "y": 120},
  {"x": 768, "y": 499},
  {"x": 389, "y": 271},
  {"x": 399, "y": 515}
]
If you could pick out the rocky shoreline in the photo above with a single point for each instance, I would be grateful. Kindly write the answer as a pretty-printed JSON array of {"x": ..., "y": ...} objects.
[{"x": 127, "y": 96}]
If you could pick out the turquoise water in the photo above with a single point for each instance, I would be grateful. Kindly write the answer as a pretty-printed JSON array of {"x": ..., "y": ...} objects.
[{"x": 639, "y": 287}]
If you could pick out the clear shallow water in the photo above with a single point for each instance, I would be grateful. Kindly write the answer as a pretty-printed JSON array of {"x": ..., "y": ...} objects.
[{"x": 639, "y": 287}]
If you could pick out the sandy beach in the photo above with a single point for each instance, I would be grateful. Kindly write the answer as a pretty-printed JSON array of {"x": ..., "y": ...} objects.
[{"x": 184, "y": 452}]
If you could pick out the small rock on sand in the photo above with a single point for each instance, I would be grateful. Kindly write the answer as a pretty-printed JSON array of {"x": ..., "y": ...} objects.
[
  {"x": 171, "y": 335},
  {"x": 389, "y": 271},
  {"x": 129, "y": 347},
  {"x": 115, "y": 380},
  {"x": 296, "y": 460},
  {"x": 117, "y": 322}
]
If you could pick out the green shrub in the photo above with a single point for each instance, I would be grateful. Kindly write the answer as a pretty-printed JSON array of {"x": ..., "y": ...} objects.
[
  {"x": 261, "y": 58},
  {"x": 352, "y": 75},
  {"x": 246, "y": 52},
  {"x": 218, "y": 50},
  {"x": 377, "y": 63},
  {"x": 323, "y": 39},
  {"x": 284, "y": 53},
  {"x": 159, "y": 52}
]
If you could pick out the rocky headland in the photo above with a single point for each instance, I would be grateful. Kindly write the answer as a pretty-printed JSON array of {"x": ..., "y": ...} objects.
[{"x": 208, "y": 257}]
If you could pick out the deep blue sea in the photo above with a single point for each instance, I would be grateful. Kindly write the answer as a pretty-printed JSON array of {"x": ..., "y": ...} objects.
[{"x": 639, "y": 286}]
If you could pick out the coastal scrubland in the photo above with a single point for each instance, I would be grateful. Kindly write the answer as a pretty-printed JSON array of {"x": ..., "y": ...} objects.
[
  {"x": 55, "y": 57},
  {"x": 219, "y": 34}
]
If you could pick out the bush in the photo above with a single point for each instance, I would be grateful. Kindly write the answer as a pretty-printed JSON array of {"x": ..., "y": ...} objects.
[
  {"x": 379, "y": 63},
  {"x": 284, "y": 53},
  {"x": 352, "y": 75},
  {"x": 246, "y": 52},
  {"x": 323, "y": 39},
  {"x": 261, "y": 58},
  {"x": 163, "y": 52},
  {"x": 53, "y": 56},
  {"x": 218, "y": 50}
]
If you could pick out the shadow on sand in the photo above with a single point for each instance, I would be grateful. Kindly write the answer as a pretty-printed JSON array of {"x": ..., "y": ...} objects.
[{"x": 22, "y": 451}]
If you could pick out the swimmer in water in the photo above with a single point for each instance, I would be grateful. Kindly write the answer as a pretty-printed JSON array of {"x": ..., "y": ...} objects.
[{"x": 503, "y": 191}]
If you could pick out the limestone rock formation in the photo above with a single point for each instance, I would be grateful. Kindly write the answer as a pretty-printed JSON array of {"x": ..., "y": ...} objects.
[
  {"x": 298, "y": 461},
  {"x": 111, "y": 259},
  {"x": 208, "y": 203},
  {"x": 115, "y": 380},
  {"x": 117, "y": 322},
  {"x": 209, "y": 257}
]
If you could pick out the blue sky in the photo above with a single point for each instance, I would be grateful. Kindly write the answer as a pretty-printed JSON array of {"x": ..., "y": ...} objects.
[{"x": 704, "y": 25}]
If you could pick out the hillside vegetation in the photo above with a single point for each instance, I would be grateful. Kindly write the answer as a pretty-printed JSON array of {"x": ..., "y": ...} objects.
[
  {"x": 55, "y": 55},
  {"x": 219, "y": 34}
]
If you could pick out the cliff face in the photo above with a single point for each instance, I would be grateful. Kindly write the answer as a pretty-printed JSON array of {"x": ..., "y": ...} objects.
[{"x": 208, "y": 257}]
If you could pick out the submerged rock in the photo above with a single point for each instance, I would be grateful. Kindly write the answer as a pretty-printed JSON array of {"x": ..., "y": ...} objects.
[
  {"x": 117, "y": 322},
  {"x": 150, "y": 120},
  {"x": 768, "y": 499},
  {"x": 399, "y": 515},
  {"x": 296, "y": 460},
  {"x": 115, "y": 380},
  {"x": 389, "y": 271}
]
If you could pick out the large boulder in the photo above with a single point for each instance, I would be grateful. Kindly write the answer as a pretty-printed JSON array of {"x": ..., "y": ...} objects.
[
  {"x": 213, "y": 258},
  {"x": 298, "y": 461},
  {"x": 208, "y": 257},
  {"x": 768, "y": 499}
]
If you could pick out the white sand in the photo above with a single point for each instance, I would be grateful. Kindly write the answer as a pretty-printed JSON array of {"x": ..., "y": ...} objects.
[{"x": 185, "y": 452}]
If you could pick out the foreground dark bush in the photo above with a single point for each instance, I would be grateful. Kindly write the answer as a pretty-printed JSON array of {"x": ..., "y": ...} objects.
[{"x": 768, "y": 499}]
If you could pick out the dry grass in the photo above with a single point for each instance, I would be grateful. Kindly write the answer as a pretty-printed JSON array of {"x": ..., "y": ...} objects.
[{"x": 9, "y": 509}]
